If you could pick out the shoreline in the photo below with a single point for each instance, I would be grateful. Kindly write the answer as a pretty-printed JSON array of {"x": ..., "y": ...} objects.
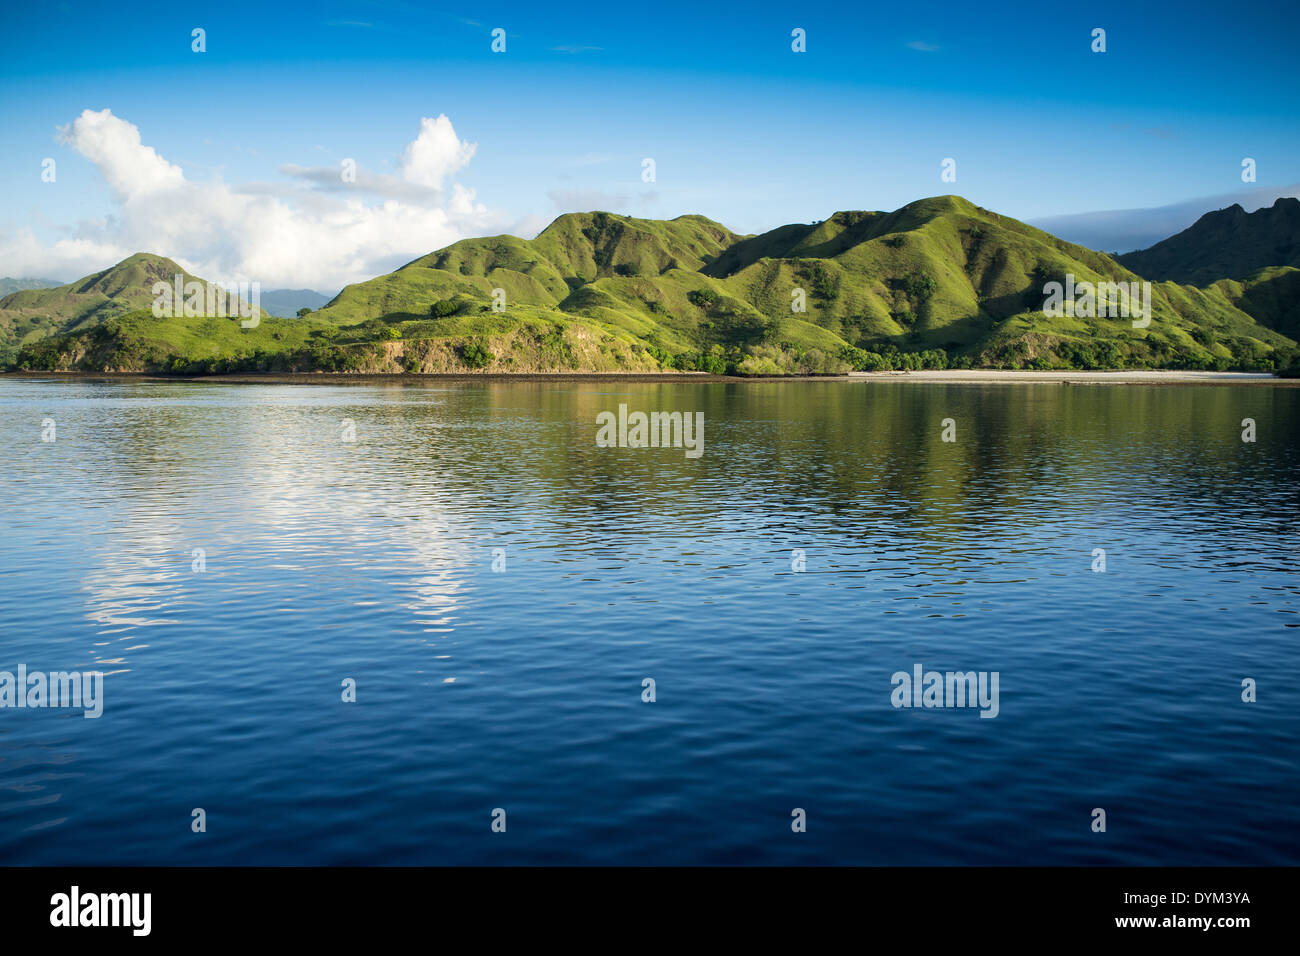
[
  {"x": 1077, "y": 377},
  {"x": 930, "y": 376},
  {"x": 376, "y": 378}
]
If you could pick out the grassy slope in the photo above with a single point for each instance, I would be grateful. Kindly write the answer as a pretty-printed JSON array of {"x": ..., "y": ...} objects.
[
  {"x": 529, "y": 339},
  {"x": 603, "y": 292},
  {"x": 987, "y": 270},
  {"x": 1271, "y": 295},
  {"x": 575, "y": 249},
  {"x": 137, "y": 341},
  {"x": 32, "y": 315}
]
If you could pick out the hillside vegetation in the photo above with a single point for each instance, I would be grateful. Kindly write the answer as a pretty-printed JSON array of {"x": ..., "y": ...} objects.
[
  {"x": 33, "y": 316},
  {"x": 937, "y": 283}
]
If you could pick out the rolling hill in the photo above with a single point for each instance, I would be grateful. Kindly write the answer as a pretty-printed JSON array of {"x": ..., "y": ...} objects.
[
  {"x": 938, "y": 282},
  {"x": 29, "y": 316}
]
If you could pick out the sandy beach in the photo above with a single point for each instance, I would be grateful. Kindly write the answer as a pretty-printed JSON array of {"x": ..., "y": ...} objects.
[{"x": 1131, "y": 377}]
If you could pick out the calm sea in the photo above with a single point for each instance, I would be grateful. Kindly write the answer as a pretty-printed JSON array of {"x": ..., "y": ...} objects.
[{"x": 500, "y": 589}]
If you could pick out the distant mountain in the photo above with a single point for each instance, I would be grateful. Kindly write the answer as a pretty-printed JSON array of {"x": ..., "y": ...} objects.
[
  {"x": 939, "y": 282},
  {"x": 17, "y": 285},
  {"x": 1226, "y": 244},
  {"x": 285, "y": 303}
]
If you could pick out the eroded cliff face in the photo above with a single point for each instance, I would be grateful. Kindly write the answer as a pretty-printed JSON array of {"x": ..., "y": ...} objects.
[{"x": 577, "y": 349}]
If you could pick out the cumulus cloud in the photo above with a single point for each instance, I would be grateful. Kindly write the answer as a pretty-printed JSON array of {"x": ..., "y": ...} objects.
[
  {"x": 315, "y": 231},
  {"x": 435, "y": 154},
  {"x": 129, "y": 167}
]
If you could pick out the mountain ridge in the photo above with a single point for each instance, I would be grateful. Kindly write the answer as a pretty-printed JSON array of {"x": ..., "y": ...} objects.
[
  {"x": 938, "y": 281},
  {"x": 1227, "y": 243}
]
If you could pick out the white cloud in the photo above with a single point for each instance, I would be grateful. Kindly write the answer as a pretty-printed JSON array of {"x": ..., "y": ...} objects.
[
  {"x": 129, "y": 167},
  {"x": 313, "y": 232},
  {"x": 435, "y": 154},
  {"x": 327, "y": 179}
]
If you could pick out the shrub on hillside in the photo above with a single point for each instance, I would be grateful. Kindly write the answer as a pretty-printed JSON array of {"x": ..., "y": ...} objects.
[
  {"x": 919, "y": 286},
  {"x": 823, "y": 284},
  {"x": 476, "y": 355},
  {"x": 445, "y": 307},
  {"x": 373, "y": 329}
]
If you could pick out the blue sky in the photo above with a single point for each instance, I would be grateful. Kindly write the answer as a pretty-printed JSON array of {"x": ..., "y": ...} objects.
[{"x": 741, "y": 128}]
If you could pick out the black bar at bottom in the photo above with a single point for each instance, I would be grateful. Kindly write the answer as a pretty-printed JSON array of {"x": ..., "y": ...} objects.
[{"x": 336, "y": 905}]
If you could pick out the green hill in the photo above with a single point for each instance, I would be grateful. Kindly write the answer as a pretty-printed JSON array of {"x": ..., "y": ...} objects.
[
  {"x": 1226, "y": 244},
  {"x": 28, "y": 316},
  {"x": 940, "y": 282},
  {"x": 573, "y": 251}
]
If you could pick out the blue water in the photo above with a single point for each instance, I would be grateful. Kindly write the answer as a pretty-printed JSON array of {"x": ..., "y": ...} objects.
[{"x": 521, "y": 688}]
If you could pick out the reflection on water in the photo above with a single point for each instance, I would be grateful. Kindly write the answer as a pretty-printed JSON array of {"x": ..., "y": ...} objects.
[{"x": 229, "y": 561}]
